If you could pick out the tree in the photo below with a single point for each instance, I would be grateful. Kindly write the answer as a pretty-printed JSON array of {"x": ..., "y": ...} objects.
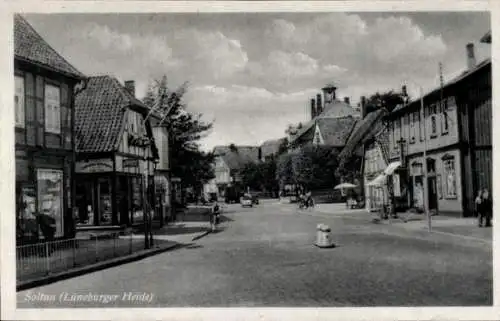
[
  {"x": 185, "y": 130},
  {"x": 389, "y": 99},
  {"x": 314, "y": 167},
  {"x": 260, "y": 176}
]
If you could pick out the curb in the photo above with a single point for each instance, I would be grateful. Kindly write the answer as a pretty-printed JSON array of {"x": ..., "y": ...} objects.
[
  {"x": 94, "y": 267},
  {"x": 471, "y": 238},
  {"x": 197, "y": 237}
]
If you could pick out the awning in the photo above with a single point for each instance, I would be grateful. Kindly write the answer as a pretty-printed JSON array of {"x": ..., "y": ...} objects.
[
  {"x": 378, "y": 181},
  {"x": 392, "y": 167}
]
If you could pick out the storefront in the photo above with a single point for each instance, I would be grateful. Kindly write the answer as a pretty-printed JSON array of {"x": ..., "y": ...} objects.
[
  {"x": 43, "y": 197},
  {"x": 113, "y": 193}
]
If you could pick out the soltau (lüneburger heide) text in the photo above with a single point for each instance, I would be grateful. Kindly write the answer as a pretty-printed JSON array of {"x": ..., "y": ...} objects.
[{"x": 72, "y": 298}]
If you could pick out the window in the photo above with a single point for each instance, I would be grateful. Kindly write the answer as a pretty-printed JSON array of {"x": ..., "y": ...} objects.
[
  {"x": 19, "y": 101},
  {"x": 413, "y": 120},
  {"x": 445, "y": 120},
  {"x": 450, "y": 178},
  {"x": 433, "y": 126},
  {"x": 52, "y": 109},
  {"x": 420, "y": 126}
]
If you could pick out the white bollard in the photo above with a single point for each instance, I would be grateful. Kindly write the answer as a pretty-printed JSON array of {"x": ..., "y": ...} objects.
[{"x": 323, "y": 236}]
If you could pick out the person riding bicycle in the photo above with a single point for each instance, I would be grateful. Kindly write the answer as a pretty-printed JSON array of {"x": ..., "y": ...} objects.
[{"x": 214, "y": 216}]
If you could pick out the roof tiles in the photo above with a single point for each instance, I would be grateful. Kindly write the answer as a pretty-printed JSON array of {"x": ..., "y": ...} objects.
[{"x": 31, "y": 47}]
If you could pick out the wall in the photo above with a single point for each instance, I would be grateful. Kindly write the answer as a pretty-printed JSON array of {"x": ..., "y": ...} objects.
[
  {"x": 222, "y": 172},
  {"x": 445, "y": 204},
  {"x": 160, "y": 135},
  {"x": 134, "y": 125},
  {"x": 414, "y": 134}
]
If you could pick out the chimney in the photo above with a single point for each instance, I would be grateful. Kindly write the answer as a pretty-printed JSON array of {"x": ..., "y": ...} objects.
[
  {"x": 363, "y": 106},
  {"x": 329, "y": 93},
  {"x": 319, "y": 105},
  {"x": 347, "y": 100},
  {"x": 313, "y": 108},
  {"x": 471, "y": 58},
  {"x": 130, "y": 86}
]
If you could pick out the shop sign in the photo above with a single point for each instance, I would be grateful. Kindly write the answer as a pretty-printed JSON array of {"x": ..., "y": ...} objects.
[
  {"x": 130, "y": 163},
  {"x": 94, "y": 166}
]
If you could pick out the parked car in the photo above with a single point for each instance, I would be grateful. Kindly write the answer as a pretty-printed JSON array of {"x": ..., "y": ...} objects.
[{"x": 246, "y": 201}]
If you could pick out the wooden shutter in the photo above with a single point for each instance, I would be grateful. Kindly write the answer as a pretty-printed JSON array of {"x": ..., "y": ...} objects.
[
  {"x": 65, "y": 118},
  {"x": 29, "y": 83},
  {"x": 40, "y": 111}
]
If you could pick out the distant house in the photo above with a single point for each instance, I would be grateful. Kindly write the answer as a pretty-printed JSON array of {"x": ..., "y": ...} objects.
[
  {"x": 458, "y": 138},
  {"x": 45, "y": 84},
  {"x": 330, "y": 124},
  {"x": 116, "y": 155},
  {"x": 272, "y": 148},
  {"x": 229, "y": 161},
  {"x": 368, "y": 142}
]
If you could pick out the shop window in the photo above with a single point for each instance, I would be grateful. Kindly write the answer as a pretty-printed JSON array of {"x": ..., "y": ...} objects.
[
  {"x": 27, "y": 226},
  {"x": 19, "y": 101},
  {"x": 450, "y": 178},
  {"x": 105, "y": 210},
  {"x": 84, "y": 203},
  {"x": 50, "y": 199},
  {"x": 137, "y": 205},
  {"x": 52, "y": 109}
]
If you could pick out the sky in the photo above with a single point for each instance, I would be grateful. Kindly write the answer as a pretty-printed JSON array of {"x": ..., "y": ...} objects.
[{"x": 253, "y": 74}]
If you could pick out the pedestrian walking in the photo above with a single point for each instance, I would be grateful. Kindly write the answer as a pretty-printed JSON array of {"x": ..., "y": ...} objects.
[
  {"x": 479, "y": 207},
  {"x": 487, "y": 207},
  {"x": 214, "y": 216}
]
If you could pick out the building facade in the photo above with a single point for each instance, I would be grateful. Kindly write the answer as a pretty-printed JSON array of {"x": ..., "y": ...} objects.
[
  {"x": 44, "y": 142},
  {"x": 116, "y": 156},
  {"x": 457, "y": 139}
]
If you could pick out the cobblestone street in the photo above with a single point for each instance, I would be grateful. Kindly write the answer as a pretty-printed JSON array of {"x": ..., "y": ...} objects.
[{"x": 265, "y": 256}]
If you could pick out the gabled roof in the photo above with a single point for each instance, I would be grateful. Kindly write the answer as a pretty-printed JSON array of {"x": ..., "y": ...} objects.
[
  {"x": 99, "y": 114},
  {"x": 338, "y": 108},
  {"x": 238, "y": 158},
  {"x": 271, "y": 147},
  {"x": 335, "y": 109},
  {"x": 365, "y": 129},
  {"x": 31, "y": 47},
  {"x": 465, "y": 74},
  {"x": 335, "y": 131}
]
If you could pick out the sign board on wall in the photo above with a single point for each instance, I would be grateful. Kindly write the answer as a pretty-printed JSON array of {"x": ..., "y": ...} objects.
[{"x": 94, "y": 166}]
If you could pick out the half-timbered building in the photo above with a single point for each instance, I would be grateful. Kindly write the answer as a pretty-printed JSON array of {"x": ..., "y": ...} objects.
[
  {"x": 457, "y": 139},
  {"x": 116, "y": 156},
  {"x": 44, "y": 144}
]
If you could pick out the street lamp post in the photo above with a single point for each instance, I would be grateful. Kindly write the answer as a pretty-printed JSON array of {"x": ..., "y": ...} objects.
[{"x": 425, "y": 180}]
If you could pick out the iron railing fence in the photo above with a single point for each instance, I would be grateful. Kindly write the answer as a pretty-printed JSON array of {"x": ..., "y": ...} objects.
[{"x": 41, "y": 259}]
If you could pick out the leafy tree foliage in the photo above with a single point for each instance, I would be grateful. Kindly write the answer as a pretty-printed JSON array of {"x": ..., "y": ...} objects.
[
  {"x": 185, "y": 130},
  {"x": 389, "y": 99},
  {"x": 312, "y": 167},
  {"x": 260, "y": 176}
]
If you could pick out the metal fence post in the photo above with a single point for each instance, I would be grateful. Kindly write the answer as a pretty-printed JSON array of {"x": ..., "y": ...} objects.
[
  {"x": 96, "y": 251},
  {"x": 130, "y": 243},
  {"x": 47, "y": 257},
  {"x": 74, "y": 252}
]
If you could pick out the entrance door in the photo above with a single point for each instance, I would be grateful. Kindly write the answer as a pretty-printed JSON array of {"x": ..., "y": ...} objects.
[
  {"x": 432, "y": 197},
  {"x": 104, "y": 199}
]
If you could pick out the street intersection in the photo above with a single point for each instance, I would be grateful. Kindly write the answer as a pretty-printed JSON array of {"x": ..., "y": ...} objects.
[{"x": 264, "y": 256}]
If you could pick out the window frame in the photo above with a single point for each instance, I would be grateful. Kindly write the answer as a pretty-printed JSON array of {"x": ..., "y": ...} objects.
[
  {"x": 449, "y": 166},
  {"x": 52, "y": 125},
  {"x": 22, "y": 115}
]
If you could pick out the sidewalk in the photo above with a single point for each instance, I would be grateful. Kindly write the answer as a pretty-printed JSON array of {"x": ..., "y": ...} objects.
[
  {"x": 179, "y": 232},
  {"x": 462, "y": 227}
]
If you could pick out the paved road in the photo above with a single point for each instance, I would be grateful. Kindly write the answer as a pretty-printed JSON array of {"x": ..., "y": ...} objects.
[{"x": 265, "y": 257}]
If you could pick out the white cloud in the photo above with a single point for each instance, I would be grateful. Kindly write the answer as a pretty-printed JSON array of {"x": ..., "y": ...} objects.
[
  {"x": 149, "y": 47},
  {"x": 210, "y": 52}
]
